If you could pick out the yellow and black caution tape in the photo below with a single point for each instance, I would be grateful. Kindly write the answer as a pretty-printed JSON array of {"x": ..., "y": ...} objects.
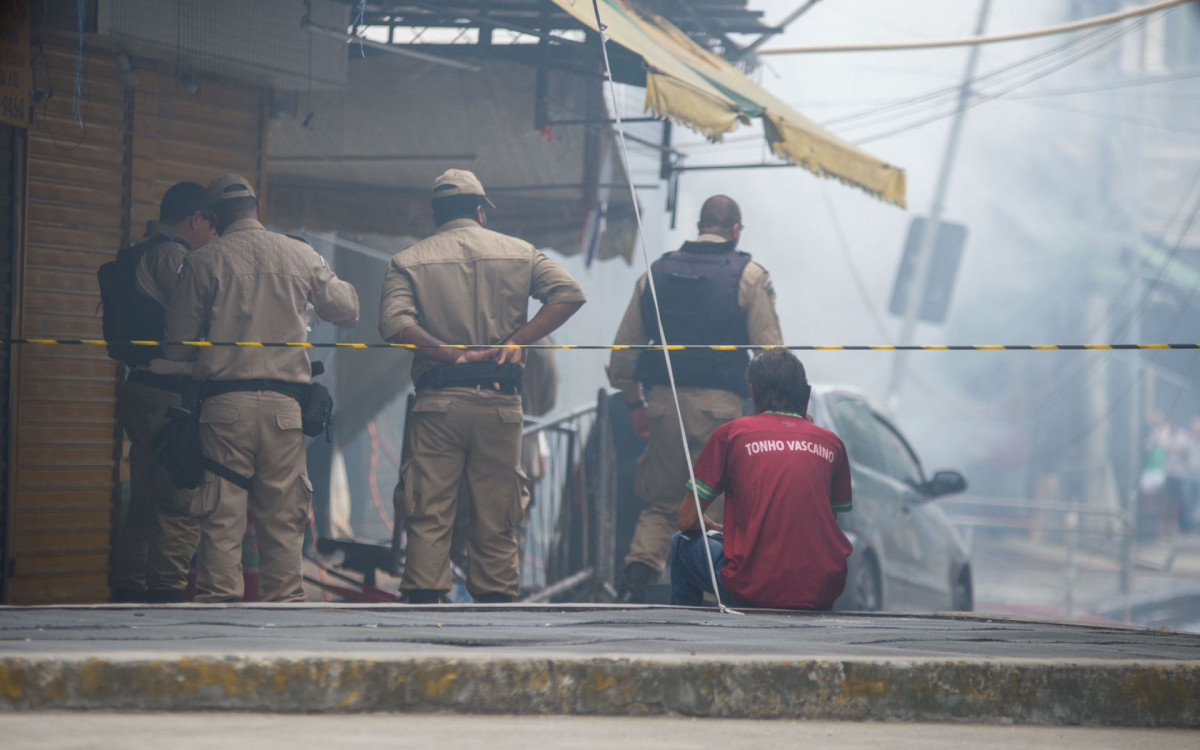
[{"x": 620, "y": 347}]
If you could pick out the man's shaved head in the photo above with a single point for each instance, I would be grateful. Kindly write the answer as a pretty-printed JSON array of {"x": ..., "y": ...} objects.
[{"x": 719, "y": 215}]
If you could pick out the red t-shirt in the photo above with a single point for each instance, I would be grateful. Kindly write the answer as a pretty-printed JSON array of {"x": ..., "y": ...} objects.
[{"x": 784, "y": 479}]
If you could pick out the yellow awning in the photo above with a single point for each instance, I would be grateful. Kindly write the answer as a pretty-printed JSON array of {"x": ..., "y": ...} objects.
[{"x": 690, "y": 85}]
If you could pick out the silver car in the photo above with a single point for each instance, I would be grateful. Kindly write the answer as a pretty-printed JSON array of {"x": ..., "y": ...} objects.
[{"x": 907, "y": 554}]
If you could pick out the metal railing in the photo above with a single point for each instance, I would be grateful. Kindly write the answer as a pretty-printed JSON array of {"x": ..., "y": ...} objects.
[
  {"x": 1042, "y": 518},
  {"x": 555, "y": 557}
]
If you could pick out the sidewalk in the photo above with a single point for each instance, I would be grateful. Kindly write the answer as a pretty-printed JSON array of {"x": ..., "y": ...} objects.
[{"x": 595, "y": 660}]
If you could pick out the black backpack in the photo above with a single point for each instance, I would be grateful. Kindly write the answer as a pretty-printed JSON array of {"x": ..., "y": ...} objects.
[{"x": 130, "y": 315}]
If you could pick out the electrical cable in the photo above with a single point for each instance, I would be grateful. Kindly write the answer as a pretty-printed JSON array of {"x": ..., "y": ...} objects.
[
  {"x": 947, "y": 94},
  {"x": 977, "y": 99},
  {"x": 1044, "y": 93},
  {"x": 1052, "y": 393},
  {"x": 600, "y": 27},
  {"x": 1088, "y": 23},
  {"x": 81, "y": 17},
  {"x": 1107, "y": 116},
  {"x": 852, "y": 266},
  {"x": 1113, "y": 85},
  {"x": 929, "y": 100},
  {"x": 877, "y": 318},
  {"x": 1039, "y": 66},
  {"x": 1044, "y": 459}
]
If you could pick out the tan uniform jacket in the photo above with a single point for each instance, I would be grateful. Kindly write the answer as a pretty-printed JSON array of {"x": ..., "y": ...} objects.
[
  {"x": 254, "y": 285},
  {"x": 756, "y": 296},
  {"x": 156, "y": 275},
  {"x": 158, "y": 270},
  {"x": 468, "y": 285}
]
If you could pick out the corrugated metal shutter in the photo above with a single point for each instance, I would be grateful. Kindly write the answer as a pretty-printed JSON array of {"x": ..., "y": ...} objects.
[
  {"x": 89, "y": 189},
  {"x": 179, "y": 136},
  {"x": 65, "y": 410},
  {"x": 11, "y": 149}
]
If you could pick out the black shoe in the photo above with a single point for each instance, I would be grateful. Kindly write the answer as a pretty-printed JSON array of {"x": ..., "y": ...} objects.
[
  {"x": 634, "y": 581},
  {"x": 422, "y": 596},
  {"x": 495, "y": 597},
  {"x": 128, "y": 596}
]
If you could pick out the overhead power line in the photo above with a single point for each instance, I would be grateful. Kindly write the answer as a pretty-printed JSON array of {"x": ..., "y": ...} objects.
[
  {"x": 982, "y": 98},
  {"x": 990, "y": 86},
  {"x": 1021, "y": 72},
  {"x": 976, "y": 40}
]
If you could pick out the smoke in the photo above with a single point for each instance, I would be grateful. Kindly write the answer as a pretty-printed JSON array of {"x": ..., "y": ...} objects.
[{"x": 1052, "y": 187}]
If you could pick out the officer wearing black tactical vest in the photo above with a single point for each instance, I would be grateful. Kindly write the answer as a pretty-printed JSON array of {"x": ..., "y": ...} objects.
[
  {"x": 157, "y": 536},
  {"x": 709, "y": 293}
]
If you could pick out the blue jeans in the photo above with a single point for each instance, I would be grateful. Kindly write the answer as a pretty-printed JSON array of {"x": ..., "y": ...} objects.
[{"x": 689, "y": 571}]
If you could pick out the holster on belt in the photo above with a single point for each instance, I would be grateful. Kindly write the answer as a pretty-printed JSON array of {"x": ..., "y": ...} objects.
[
  {"x": 177, "y": 446},
  {"x": 474, "y": 374},
  {"x": 316, "y": 403}
]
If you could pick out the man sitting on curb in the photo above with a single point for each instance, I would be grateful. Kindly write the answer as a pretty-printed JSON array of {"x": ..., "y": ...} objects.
[{"x": 784, "y": 480}]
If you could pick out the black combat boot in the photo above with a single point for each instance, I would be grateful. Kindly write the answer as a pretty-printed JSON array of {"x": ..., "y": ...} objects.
[
  {"x": 423, "y": 596},
  {"x": 634, "y": 580}
]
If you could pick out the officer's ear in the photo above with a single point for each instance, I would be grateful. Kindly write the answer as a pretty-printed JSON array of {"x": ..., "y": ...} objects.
[
  {"x": 735, "y": 232},
  {"x": 481, "y": 216}
]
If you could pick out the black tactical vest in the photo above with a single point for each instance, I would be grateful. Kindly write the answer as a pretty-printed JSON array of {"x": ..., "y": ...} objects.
[{"x": 698, "y": 297}]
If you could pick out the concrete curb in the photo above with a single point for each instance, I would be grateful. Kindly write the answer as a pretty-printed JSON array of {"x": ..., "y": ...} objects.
[{"x": 1149, "y": 694}]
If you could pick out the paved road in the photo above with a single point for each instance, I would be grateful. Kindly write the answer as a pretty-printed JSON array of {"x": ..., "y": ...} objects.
[
  {"x": 74, "y": 731},
  {"x": 332, "y": 630}
]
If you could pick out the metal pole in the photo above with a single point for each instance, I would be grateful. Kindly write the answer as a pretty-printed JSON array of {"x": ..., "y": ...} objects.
[
  {"x": 1136, "y": 458},
  {"x": 1072, "y": 572},
  {"x": 561, "y": 587},
  {"x": 924, "y": 253},
  {"x": 606, "y": 551},
  {"x": 1131, "y": 497}
]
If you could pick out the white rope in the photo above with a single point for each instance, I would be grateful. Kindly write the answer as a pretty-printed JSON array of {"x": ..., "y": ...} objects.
[
  {"x": 637, "y": 213},
  {"x": 976, "y": 40}
]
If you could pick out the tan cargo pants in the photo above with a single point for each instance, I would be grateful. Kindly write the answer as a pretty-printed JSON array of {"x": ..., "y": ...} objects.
[
  {"x": 158, "y": 536},
  {"x": 663, "y": 471},
  {"x": 456, "y": 434},
  {"x": 257, "y": 434}
]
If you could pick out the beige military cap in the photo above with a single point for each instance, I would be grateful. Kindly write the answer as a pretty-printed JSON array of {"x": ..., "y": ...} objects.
[
  {"x": 459, "y": 182},
  {"x": 228, "y": 186}
]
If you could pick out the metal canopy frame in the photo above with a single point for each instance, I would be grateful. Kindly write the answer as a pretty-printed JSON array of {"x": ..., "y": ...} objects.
[{"x": 709, "y": 22}]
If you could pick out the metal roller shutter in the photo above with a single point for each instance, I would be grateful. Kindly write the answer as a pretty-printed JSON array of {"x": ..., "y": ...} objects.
[
  {"x": 197, "y": 137},
  {"x": 90, "y": 188},
  {"x": 65, "y": 410}
]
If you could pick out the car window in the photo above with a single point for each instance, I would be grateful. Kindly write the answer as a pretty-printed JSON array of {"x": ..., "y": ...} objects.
[
  {"x": 899, "y": 461},
  {"x": 856, "y": 426}
]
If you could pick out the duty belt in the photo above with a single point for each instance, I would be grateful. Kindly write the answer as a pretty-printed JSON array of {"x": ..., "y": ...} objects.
[
  {"x": 173, "y": 383},
  {"x": 211, "y": 388},
  {"x": 474, "y": 375}
]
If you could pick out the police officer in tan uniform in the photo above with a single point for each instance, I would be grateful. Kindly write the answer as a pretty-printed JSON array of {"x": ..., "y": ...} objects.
[
  {"x": 539, "y": 393},
  {"x": 158, "y": 536},
  {"x": 467, "y": 285},
  {"x": 708, "y": 293},
  {"x": 252, "y": 285}
]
